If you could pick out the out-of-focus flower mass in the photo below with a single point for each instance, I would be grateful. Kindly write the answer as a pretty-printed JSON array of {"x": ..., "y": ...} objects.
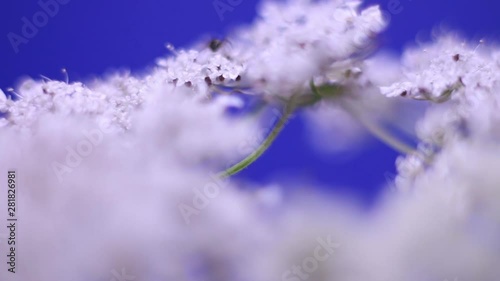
[{"x": 127, "y": 169}]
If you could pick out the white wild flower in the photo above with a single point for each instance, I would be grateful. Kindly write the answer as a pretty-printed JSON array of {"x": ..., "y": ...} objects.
[
  {"x": 293, "y": 42},
  {"x": 448, "y": 68},
  {"x": 122, "y": 172}
]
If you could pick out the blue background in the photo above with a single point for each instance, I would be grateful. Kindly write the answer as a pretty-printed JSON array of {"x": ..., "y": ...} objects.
[{"x": 91, "y": 38}]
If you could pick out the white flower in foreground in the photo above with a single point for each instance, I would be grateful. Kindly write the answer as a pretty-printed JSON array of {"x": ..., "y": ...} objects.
[
  {"x": 453, "y": 213},
  {"x": 114, "y": 194},
  {"x": 448, "y": 226}
]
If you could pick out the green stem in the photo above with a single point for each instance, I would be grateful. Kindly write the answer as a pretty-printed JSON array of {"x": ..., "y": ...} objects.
[
  {"x": 373, "y": 127},
  {"x": 278, "y": 127},
  {"x": 378, "y": 131}
]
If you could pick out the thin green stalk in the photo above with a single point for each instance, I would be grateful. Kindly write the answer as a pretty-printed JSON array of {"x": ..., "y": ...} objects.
[
  {"x": 278, "y": 127},
  {"x": 379, "y": 132},
  {"x": 373, "y": 127}
]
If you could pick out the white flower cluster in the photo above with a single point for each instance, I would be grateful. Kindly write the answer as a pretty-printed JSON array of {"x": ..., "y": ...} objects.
[
  {"x": 462, "y": 82},
  {"x": 122, "y": 172},
  {"x": 293, "y": 42},
  {"x": 95, "y": 196},
  {"x": 201, "y": 69},
  {"x": 453, "y": 174},
  {"x": 112, "y": 101},
  {"x": 451, "y": 65}
]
